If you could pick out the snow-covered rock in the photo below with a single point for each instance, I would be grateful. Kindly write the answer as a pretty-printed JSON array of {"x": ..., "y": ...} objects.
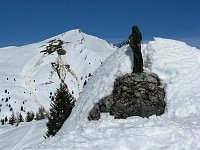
[{"x": 133, "y": 94}]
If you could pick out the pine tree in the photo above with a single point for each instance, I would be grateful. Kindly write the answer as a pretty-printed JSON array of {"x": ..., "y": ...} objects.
[
  {"x": 32, "y": 116},
  {"x": 21, "y": 119},
  {"x": 41, "y": 114},
  {"x": 12, "y": 119},
  {"x": 61, "y": 106},
  {"x": 29, "y": 116},
  {"x": 21, "y": 108},
  {"x": 2, "y": 122},
  {"x": 6, "y": 119}
]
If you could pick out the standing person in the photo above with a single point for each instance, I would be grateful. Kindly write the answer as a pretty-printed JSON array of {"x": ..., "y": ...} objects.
[{"x": 135, "y": 43}]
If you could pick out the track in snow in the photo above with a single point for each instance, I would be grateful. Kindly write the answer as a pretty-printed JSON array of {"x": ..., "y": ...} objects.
[
  {"x": 21, "y": 143},
  {"x": 16, "y": 138}
]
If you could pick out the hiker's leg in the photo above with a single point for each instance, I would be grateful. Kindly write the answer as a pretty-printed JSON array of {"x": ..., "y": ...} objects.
[{"x": 138, "y": 61}]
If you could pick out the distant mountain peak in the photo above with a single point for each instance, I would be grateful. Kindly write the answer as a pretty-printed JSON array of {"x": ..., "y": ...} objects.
[{"x": 71, "y": 57}]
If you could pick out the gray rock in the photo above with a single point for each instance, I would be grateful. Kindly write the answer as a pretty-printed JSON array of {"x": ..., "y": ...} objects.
[
  {"x": 152, "y": 86},
  {"x": 152, "y": 79},
  {"x": 133, "y": 95},
  {"x": 106, "y": 103},
  {"x": 95, "y": 112}
]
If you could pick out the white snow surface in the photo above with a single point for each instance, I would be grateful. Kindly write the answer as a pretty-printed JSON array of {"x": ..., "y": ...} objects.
[
  {"x": 178, "y": 66},
  {"x": 16, "y": 138},
  {"x": 28, "y": 76}
]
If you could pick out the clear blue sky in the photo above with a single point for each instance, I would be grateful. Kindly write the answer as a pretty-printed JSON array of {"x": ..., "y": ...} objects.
[{"x": 28, "y": 21}]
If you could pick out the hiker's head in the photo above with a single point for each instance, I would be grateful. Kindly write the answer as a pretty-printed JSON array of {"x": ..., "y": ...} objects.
[{"x": 135, "y": 28}]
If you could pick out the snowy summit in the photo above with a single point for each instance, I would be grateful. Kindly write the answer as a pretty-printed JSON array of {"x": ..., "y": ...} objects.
[{"x": 31, "y": 76}]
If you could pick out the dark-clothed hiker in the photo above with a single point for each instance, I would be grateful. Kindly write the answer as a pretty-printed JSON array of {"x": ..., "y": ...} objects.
[{"x": 135, "y": 43}]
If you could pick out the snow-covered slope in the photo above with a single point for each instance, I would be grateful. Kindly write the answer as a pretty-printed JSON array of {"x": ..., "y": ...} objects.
[
  {"x": 16, "y": 138},
  {"x": 178, "y": 66},
  {"x": 27, "y": 76}
]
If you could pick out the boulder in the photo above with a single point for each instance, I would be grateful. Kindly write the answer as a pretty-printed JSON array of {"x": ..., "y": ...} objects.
[
  {"x": 133, "y": 95},
  {"x": 61, "y": 51}
]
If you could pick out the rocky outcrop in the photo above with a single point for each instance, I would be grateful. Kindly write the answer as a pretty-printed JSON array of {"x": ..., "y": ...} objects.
[
  {"x": 54, "y": 45},
  {"x": 133, "y": 95}
]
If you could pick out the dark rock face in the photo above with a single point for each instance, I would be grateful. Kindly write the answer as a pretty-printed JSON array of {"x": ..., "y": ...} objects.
[
  {"x": 54, "y": 45},
  {"x": 133, "y": 95},
  {"x": 61, "y": 51}
]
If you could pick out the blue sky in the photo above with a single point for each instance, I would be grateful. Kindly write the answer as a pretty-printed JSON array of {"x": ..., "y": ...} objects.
[{"x": 28, "y": 21}]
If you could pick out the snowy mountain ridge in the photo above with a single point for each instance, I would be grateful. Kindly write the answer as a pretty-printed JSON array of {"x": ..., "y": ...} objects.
[{"x": 29, "y": 75}]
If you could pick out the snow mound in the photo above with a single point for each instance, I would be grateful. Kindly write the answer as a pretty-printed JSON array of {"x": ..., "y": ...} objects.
[{"x": 178, "y": 66}]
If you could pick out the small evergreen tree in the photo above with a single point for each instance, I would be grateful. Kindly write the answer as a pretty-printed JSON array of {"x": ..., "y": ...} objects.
[
  {"x": 37, "y": 116},
  {"x": 32, "y": 115},
  {"x": 41, "y": 114},
  {"x": 21, "y": 119},
  {"x": 29, "y": 116},
  {"x": 61, "y": 106},
  {"x": 12, "y": 119},
  {"x": 21, "y": 108},
  {"x": 84, "y": 84},
  {"x": 6, "y": 119},
  {"x": 2, "y": 122}
]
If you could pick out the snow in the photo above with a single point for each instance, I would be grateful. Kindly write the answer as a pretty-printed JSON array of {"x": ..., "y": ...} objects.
[
  {"x": 16, "y": 138},
  {"x": 176, "y": 63},
  {"x": 31, "y": 77},
  {"x": 178, "y": 66}
]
